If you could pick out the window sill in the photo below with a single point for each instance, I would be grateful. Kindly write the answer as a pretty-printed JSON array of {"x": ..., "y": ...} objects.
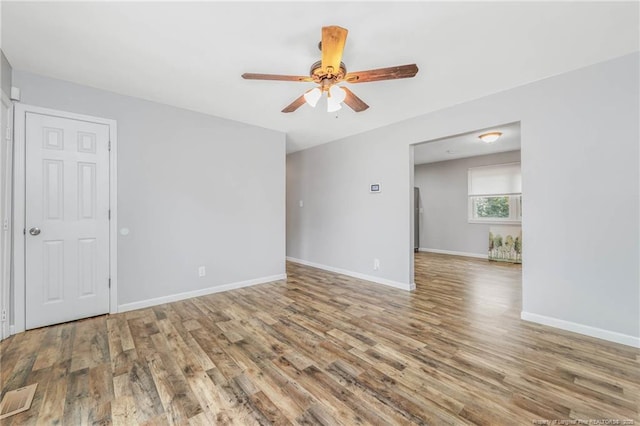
[{"x": 496, "y": 222}]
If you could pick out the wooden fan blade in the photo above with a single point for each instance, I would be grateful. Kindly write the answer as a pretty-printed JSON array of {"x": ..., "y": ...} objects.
[
  {"x": 295, "y": 104},
  {"x": 391, "y": 73},
  {"x": 333, "y": 40},
  {"x": 354, "y": 102},
  {"x": 252, "y": 76}
]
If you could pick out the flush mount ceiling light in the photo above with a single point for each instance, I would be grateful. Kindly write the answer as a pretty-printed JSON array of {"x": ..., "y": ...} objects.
[
  {"x": 490, "y": 137},
  {"x": 330, "y": 71}
]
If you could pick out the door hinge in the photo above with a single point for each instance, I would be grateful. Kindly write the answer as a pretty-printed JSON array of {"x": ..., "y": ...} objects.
[
  {"x": 109, "y": 145},
  {"x": 109, "y": 214},
  {"x": 24, "y": 231},
  {"x": 109, "y": 282}
]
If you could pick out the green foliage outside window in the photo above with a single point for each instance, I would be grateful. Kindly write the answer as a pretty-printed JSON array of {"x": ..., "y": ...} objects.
[{"x": 492, "y": 207}]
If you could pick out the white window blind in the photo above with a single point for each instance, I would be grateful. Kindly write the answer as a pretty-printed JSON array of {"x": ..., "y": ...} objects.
[{"x": 500, "y": 179}]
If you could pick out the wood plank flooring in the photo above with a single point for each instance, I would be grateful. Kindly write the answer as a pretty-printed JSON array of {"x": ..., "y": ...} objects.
[{"x": 322, "y": 348}]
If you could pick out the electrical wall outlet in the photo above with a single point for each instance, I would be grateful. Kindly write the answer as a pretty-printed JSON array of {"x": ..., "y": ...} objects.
[
  {"x": 202, "y": 271},
  {"x": 376, "y": 264}
]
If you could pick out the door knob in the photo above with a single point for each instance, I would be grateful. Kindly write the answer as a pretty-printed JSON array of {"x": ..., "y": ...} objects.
[{"x": 34, "y": 231}]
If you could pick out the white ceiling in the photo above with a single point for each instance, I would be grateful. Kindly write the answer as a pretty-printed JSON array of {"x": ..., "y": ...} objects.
[
  {"x": 468, "y": 145},
  {"x": 192, "y": 54}
]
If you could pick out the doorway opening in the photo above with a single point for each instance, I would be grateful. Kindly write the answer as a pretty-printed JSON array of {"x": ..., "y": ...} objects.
[{"x": 467, "y": 208}]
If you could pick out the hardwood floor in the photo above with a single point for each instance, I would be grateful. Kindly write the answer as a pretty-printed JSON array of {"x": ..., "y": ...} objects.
[{"x": 322, "y": 348}]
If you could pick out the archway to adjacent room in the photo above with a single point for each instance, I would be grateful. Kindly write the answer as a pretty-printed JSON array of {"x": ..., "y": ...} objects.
[{"x": 466, "y": 216}]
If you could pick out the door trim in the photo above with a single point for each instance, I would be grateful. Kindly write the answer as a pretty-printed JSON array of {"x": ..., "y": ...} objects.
[
  {"x": 19, "y": 189},
  {"x": 5, "y": 204}
]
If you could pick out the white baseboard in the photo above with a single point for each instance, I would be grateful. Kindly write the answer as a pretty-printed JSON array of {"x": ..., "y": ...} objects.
[
  {"x": 202, "y": 292},
  {"x": 358, "y": 275},
  {"x": 455, "y": 253},
  {"x": 587, "y": 330}
]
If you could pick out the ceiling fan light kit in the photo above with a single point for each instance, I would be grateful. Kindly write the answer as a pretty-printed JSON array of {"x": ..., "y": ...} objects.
[{"x": 330, "y": 71}]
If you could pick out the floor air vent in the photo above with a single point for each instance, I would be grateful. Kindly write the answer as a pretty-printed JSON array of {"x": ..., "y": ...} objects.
[{"x": 17, "y": 401}]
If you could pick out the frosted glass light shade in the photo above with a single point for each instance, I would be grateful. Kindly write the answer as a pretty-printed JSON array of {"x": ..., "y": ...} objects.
[
  {"x": 313, "y": 96},
  {"x": 332, "y": 104},
  {"x": 337, "y": 93}
]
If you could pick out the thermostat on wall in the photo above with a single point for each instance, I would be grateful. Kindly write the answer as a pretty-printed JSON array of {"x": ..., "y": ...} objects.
[{"x": 375, "y": 187}]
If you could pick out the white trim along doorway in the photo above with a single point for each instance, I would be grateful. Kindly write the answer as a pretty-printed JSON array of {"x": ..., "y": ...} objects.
[
  {"x": 6, "y": 147},
  {"x": 19, "y": 206}
]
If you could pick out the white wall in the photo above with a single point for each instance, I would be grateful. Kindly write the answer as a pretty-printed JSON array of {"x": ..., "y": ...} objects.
[
  {"x": 342, "y": 224},
  {"x": 580, "y": 162},
  {"x": 444, "y": 222},
  {"x": 193, "y": 190},
  {"x": 5, "y": 74}
]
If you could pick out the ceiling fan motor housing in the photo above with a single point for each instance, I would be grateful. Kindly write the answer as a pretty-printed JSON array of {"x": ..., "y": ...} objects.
[{"x": 328, "y": 77}]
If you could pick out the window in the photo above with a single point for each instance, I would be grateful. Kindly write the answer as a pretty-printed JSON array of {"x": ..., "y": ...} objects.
[
  {"x": 502, "y": 208},
  {"x": 495, "y": 194}
]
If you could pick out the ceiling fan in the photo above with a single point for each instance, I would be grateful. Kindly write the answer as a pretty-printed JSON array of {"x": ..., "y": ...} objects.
[{"x": 330, "y": 71}]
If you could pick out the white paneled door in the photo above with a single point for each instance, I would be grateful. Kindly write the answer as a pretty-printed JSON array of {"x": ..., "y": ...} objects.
[{"x": 67, "y": 219}]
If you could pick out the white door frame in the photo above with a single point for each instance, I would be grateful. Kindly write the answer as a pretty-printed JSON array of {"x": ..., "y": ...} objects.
[
  {"x": 19, "y": 188},
  {"x": 5, "y": 203}
]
